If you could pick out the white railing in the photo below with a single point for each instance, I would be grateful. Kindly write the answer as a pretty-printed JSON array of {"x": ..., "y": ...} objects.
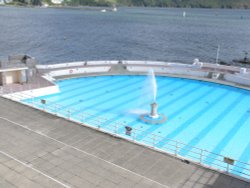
[{"x": 172, "y": 147}]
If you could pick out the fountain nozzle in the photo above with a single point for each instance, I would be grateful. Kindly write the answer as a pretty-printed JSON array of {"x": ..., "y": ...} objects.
[
  {"x": 153, "y": 117},
  {"x": 154, "y": 113}
]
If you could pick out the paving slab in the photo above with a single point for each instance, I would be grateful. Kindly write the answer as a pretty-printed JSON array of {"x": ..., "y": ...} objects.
[{"x": 42, "y": 150}]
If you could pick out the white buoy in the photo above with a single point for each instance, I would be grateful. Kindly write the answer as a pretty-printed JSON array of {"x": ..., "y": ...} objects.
[{"x": 184, "y": 14}]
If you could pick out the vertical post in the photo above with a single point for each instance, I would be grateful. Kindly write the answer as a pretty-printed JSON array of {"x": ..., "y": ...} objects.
[
  {"x": 176, "y": 148},
  {"x": 201, "y": 155},
  {"x": 99, "y": 126},
  {"x": 33, "y": 101},
  {"x": 115, "y": 129},
  {"x": 69, "y": 114},
  {"x": 134, "y": 135},
  {"x": 227, "y": 168},
  {"x": 44, "y": 106},
  {"x": 98, "y": 123},
  {"x": 217, "y": 54},
  {"x": 56, "y": 109},
  {"x": 39, "y": 85},
  {"x": 82, "y": 120},
  {"x": 153, "y": 140}
]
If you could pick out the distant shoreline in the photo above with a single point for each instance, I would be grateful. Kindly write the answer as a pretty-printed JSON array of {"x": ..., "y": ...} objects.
[{"x": 86, "y": 7}]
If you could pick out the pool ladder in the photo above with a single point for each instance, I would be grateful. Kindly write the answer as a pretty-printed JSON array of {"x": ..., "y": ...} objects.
[{"x": 215, "y": 75}]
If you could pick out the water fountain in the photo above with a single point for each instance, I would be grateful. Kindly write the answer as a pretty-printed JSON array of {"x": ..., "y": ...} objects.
[{"x": 153, "y": 117}]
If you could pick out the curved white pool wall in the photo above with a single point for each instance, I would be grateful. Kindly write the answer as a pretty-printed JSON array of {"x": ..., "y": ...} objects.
[
  {"x": 238, "y": 79},
  {"x": 167, "y": 70},
  {"x": 144, "y": 63},
  {"x": 230, "y": 74},
  {"x": 79, "y": 71},
  {"x": 75, "y": 64},
  {"x": 61, "y": 65}
]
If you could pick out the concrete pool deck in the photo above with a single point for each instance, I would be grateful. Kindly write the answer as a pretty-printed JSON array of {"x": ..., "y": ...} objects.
[{"x": 41, "y": 150}]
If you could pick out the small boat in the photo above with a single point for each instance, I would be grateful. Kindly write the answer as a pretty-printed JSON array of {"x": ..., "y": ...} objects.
[
  {"x": 114, "y": 9},
  {"x": 103, "y": 10}
]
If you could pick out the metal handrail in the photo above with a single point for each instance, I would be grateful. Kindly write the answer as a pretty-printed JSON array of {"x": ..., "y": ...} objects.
[{"x": 174, "y": 147}]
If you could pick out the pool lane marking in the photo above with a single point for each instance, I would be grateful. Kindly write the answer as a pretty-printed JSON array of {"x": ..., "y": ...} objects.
[
  {"x": 116, "y": 106},
  {"x": 121, "y": 93},
  {"x": 106, "y": 123},
  {"x": 77, "y": 149},
  {"x": 66, "y": 95},
  {"x": 191, "y": 120},
  {"x": 190, "y": 104},
  {"x": 211, "y": 125},
  {"x": 99, "y": 92},
  {"x": 145, "y": 132},
  {"x": 36, "y": 170}
]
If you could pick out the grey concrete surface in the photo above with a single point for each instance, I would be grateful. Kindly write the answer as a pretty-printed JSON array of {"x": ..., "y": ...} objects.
[
  {"x": 34, "y": 82},
  {"x": 41, "y": 150}
]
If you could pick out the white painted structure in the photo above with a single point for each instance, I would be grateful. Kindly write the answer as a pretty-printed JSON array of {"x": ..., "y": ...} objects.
[
  {"x": 13, "y": 75},
  {"x": 198, "y": 70},
  {"x": 16, "y": 69},
  {"x": 235, "y": 76},
  {"x": 74, "y": 71},
  {"x": 57, "y": 2}
]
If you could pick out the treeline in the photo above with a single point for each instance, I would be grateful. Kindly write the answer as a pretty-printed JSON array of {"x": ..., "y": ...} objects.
[
  {"x": 26, "y": 2},
  {"x": 149, "y": 3},
  {"x": 189, "y": 3},
  {"x": 102, "y": 3},
  {"x": 165, "y": 3}
]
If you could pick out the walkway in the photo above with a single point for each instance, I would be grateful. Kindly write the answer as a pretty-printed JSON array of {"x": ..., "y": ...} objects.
[
  {"x": 34, "y": 82},
  {"x": 41, "y": 150}
]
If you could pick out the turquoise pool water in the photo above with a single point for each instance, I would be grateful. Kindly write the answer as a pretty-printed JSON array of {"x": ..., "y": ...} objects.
[{"x": 204, "y": 115}]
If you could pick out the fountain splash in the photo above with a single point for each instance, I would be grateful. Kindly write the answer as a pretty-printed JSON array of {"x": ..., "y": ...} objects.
[
  {"x": 153, "y": 117},
  {"x": 153, "y": 84}
]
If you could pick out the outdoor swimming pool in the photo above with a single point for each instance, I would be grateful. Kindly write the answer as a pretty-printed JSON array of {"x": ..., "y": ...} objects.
[{"x": 205, "y": 121}]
